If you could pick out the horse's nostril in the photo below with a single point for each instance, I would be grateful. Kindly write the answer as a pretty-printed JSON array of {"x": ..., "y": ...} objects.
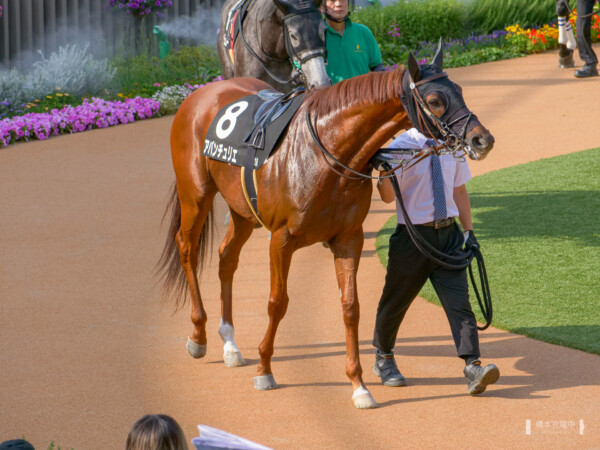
[{"x": 480, "y": 142}]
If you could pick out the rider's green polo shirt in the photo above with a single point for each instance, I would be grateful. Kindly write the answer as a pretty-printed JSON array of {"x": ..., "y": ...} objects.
[{"x": 354, "y": 53}]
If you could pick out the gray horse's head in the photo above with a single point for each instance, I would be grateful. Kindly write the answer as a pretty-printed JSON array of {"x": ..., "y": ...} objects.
[
  {"x": 436, "y": 107},
  {"x": 304, "y": 34}
]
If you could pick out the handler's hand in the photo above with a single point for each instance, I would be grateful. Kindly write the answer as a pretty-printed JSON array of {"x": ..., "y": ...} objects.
[{"x": 470, "y": 240}]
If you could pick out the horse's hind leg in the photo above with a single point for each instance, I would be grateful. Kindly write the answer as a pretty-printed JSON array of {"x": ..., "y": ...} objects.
[
  {"x": 238, "y": 232},
  {"x": 194, "y": 213},
  {"x": 280, "y": 251},
  {"x": 346, "y": 250}
]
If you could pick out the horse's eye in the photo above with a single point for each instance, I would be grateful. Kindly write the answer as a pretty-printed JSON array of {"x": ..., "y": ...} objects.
[
  {"x": 435, "y": 103},
  {"x": 294, "y": 39}
]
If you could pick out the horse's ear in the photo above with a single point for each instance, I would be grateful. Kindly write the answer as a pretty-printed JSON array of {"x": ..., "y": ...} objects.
[
  {"x": 413, "y": 68},
  {"x": 438, "y": 59}
]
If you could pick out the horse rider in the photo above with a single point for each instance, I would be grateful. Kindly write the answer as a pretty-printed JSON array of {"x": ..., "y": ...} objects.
[
  {"x": 351, "y": 47},
  {"x": 584, "y": 39},
  {"x": 434, "y": 194}
]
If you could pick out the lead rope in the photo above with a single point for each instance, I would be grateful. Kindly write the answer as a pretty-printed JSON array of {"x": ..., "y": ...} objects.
[{"x": 448, "y": 261}]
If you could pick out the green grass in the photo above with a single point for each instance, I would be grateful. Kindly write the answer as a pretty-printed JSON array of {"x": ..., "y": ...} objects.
[{"x": 538, "y": 228}]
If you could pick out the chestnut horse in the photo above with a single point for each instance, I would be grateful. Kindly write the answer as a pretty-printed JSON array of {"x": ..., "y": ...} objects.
[{"x": 304, "y": 196}]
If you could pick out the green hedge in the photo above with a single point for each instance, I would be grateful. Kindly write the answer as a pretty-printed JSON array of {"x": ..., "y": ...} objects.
[{"x": 416, "y": 20}]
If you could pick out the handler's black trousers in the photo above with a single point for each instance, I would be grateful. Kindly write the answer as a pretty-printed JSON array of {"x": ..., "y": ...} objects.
[
  {"x": 408, "y": 270},
  {"x": 584, "y": 32}
]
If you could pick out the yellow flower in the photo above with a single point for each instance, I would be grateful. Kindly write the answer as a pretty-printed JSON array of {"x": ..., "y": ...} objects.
[
  {"x": 119, "y": 95},
  {"x": 49, "y": 96},
  {"x": 58, "y": 94}
]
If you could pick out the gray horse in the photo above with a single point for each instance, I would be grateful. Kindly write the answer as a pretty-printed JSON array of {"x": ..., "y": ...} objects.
[{"x": 281, "y": 42}]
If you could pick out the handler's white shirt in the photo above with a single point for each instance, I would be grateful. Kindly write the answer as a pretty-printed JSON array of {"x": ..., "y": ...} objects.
[{"x": 416, "y": 184}]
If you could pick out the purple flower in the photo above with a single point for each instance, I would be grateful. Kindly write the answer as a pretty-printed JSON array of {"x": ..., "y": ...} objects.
[
  {"x": 141, "y": 8},
  {"x": 94, "y": 113}
]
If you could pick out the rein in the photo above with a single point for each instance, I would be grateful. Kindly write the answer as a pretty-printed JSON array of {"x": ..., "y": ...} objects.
[
  {"x": 566, "y": 3},
  {"x": 294, "y": 58},
  {"x": 433, "y": 254},
  {"x": 449, "y": 261}
]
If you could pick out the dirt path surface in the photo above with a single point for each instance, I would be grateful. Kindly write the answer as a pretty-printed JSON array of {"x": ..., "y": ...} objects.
[{"x": 86, "y": 348}]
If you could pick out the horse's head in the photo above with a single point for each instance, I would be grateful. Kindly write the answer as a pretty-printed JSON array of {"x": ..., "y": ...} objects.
[
  {"x": 304, "y": 34},
  {"x": 436, "y": 107}
]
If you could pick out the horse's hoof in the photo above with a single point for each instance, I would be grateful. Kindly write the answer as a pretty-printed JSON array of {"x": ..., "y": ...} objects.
[
  {"x": 264, "y": 382},
  {"x": 233, "y": 359},
  {"x": 363, "y": 399},
  {"x": 196, "y": 350}
]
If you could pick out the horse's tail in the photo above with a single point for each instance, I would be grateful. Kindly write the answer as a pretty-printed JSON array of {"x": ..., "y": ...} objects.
[{"x": 169, "y": 266}]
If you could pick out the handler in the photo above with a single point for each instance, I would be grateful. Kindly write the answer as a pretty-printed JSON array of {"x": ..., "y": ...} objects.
[
  {"x": 434, "y": 194},
  {"x": 351, "y": 47},
  {"x": 584, "y": 39}
]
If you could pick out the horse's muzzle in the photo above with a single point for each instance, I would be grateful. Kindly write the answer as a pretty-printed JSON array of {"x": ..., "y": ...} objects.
[{"x": 481, "y": 142}]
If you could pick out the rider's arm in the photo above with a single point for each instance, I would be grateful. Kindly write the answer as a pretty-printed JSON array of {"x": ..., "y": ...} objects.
[
  {"x": 386, "y": 190},
  {"x": 461, "y": 198}
]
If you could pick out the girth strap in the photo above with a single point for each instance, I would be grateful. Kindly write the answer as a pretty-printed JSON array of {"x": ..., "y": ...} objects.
[{"x": 248, "y": 179}]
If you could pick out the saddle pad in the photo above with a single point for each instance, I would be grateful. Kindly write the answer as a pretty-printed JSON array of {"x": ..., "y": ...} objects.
[{"x": 252, "y": 124}]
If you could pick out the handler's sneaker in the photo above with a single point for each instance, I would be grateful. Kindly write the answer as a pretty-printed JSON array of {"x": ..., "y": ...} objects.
[
  {"x": 479, "y": 377},
  {"x": 385, "y": 368}
]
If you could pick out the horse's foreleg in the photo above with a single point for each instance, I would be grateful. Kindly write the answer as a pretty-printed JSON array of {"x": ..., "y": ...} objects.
[
  {"x": 193, "y": 216},
  {"x": 347, "y": 250},
  {"x": 238, "y": 232},
  {"x": 280, "y": 251}
]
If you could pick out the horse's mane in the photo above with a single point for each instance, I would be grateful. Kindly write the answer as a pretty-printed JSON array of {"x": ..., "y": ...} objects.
[{"x": 373, "y": 87}]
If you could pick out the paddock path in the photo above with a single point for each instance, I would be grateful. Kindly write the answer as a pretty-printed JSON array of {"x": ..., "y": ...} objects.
[{"x": 86, "y": 347}]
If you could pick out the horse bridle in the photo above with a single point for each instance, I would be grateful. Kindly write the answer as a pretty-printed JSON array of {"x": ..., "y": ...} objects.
[
  {"x": 294, "y": 57},
  {"x": 418, "y": 112},
  {"x": 454, "y": 144}
]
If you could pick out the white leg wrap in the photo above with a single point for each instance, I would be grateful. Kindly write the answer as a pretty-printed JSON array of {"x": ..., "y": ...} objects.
[{"x": 231, "y": 354}]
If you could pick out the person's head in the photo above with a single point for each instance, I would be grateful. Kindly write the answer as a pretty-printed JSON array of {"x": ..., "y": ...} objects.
[
  {"x": 156, "y": 432},
  {"x": 336, "y": 10},
  {"x": 16, "y": 444}
]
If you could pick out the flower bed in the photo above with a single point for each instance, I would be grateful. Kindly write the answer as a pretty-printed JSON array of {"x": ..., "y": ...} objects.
[
  {"x": 141, "y": 8},
  {"x": 94, "y": 113}
]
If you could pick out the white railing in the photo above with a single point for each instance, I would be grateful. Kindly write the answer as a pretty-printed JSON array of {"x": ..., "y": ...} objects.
[{"x": 31, "y": 25}]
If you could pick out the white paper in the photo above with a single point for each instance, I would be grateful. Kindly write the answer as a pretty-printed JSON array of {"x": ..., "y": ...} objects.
[{"x": 213, "y": 438}]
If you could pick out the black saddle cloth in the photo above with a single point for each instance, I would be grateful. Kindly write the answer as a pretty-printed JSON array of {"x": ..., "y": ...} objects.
[{"x": 251, "y": 127}]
